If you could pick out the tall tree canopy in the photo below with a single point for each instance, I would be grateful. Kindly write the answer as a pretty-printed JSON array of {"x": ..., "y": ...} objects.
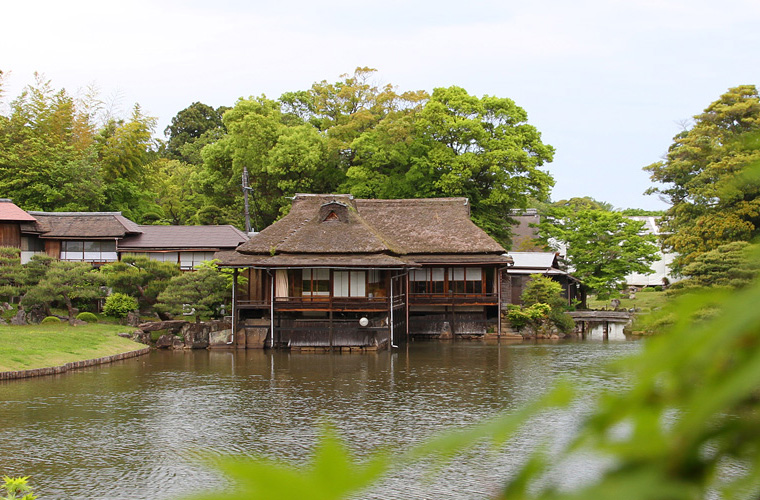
[
  {"x": 58, "y": 152},
  {"x": 353, "y": 135},
  {"x": 702, "y": 177},
  {"x": 196, "y": 122},
  {"x": 602, "y": 247},
  {"x": 374, "y": 142}
]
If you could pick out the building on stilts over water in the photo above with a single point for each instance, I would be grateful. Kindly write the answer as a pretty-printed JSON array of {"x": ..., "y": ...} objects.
[{"x": 340, "y": 272}]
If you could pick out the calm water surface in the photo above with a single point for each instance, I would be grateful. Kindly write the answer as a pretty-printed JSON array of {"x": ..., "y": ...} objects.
[{"x": 136, "y": 429}]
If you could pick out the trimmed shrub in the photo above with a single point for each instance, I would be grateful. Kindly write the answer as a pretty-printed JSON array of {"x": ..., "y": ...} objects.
[
  {"x": 50, "y": 319},
  {"x": 119, "y": 305},
  {"x": 87, "y": 316}
]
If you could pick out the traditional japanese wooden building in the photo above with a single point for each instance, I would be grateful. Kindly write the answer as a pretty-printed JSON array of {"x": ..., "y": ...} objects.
[
  {"x": 103, "y": 237},
  {"x": 338, "y": 271},
  {"x": 187, "y": 246},
  {"x": 527, "y": 264}
]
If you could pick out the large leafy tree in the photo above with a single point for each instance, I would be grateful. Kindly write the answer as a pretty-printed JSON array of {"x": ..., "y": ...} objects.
[
  {"x": 602, "y": 247},
  {"x": 484, "y": 149},
  {"x": 702, "y": 177},
  {"x": 197, "y": 122},
  {"x": 281, "y": 160}
]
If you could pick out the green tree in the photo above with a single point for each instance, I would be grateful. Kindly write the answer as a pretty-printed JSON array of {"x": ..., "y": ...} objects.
[
  {"x": 124, "y": 147},
  {"x": 281, "y": 160},
  {"x": 699, "y": 178},
  {"x": 484, "y": 149},
  {"x": 196, "y": 122},
  {"x": 33, "y": 271},
  {"x": 602, "y": 247},
  {"x": 576, "y": 204},
  {"x": 544, "y": 290},
  {"x": 10, "y": 268},
  {"x": 632, "y": 212},
  {"x": 139, "y": 276},
  {"x": 46, "y": 137},
  {"x": 730, "y": 266},
  {"x": 173, "y": 191},
  {"x": 49, "y": 135},
  {"x": 65, "y": 282},
  {"x": 202, "y": 291}
]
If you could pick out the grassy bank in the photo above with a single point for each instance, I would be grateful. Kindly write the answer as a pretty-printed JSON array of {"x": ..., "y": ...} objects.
[
  {"x": 646, "y": 300},
  {"x": 42, "y": 346}
]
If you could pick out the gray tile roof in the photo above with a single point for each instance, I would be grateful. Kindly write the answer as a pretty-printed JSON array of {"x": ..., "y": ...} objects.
[{"x": 183, "y": 237}]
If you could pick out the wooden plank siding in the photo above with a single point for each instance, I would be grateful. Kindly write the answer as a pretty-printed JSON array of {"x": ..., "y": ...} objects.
[
  {"x": 10, "y": 235},
  {"x": 53, "y": 248}
]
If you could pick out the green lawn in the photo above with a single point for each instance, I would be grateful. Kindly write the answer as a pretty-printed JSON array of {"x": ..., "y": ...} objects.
[
  {"x": 646, "y": 300},
  {"x": 42, "y": 346}
]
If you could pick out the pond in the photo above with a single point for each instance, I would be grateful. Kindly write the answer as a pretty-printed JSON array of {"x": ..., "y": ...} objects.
[{"x": 136, "y": 429}]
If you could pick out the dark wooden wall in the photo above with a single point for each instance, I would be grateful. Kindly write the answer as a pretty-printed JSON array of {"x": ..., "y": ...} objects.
[
  {"x": 10, "y": 235},
  {"x": 53, "y": 248}
]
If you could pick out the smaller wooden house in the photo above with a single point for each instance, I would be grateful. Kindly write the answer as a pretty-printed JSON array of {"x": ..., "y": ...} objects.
[
  {"x": 339, "y": 271},
  {"x": 102, "y": 237},
  {"x": 527, "y": 264},
  {"x": 75, "y": 236},
  {"x": 187, "y": 246},
  {"x": 11, "y": 219}
]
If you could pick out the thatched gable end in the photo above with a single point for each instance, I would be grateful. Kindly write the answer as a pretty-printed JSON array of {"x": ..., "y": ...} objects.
[{"x": 334, "y": 211}]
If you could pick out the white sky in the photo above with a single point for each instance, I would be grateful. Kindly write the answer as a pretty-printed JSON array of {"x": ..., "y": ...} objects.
[{"x": 607, "y": 82}]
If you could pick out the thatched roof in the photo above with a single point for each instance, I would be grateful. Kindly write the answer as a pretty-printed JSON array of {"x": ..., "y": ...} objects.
[
  {"x": 428, "y": 226},
  {"x": 378, "y": 233},
  {"x": 80, "y": 225},
  {"x": 304, "y": 231},
  {"x": 183, "y": 237}
]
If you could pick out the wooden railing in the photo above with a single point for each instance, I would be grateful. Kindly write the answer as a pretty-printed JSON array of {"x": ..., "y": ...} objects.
[
  {"x": 454, "y": 298},
  {"x": 371, "y": 303},
  {"x": 324, "y": 303}
]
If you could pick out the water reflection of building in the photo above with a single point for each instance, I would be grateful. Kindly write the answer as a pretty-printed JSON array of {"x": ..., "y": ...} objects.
[{"x": 340, "y": 271}]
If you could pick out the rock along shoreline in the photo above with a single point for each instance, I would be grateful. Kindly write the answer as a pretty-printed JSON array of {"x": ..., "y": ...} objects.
[{"x": 55, "y": 370}]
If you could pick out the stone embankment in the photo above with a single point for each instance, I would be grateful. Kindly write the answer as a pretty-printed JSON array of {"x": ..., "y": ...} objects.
[
  {"x": 55, "y": 370},
  {"x": 179, "y": 334}
]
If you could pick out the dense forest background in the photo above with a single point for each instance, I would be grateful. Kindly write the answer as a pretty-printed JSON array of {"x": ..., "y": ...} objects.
[{"x": 64, "y": 152}]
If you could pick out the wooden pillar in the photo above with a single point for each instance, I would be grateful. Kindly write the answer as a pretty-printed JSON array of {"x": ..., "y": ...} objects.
[
  {"x": 498, "y": 299},
  {"x": 406, "y": 302},
  {"x": 271, "y": 308},
  {"x": 234, "y": 303},
  {"x": 330, "y": 331}
]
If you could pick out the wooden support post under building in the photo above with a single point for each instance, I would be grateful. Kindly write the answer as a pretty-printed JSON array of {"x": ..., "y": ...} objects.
[
  {"x": 234, "y": 305},
  {"x": 331, "y": 329}
]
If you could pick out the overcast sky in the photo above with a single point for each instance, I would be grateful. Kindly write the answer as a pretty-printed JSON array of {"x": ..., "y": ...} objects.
[{"x": 608, "y": 83}]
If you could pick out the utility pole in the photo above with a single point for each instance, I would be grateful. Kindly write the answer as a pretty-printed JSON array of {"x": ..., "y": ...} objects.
[{"x": 245, "y": 198}]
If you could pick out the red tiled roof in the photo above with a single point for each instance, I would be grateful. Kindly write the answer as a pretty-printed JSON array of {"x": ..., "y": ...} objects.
[{"x": 9, "y": 211}]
